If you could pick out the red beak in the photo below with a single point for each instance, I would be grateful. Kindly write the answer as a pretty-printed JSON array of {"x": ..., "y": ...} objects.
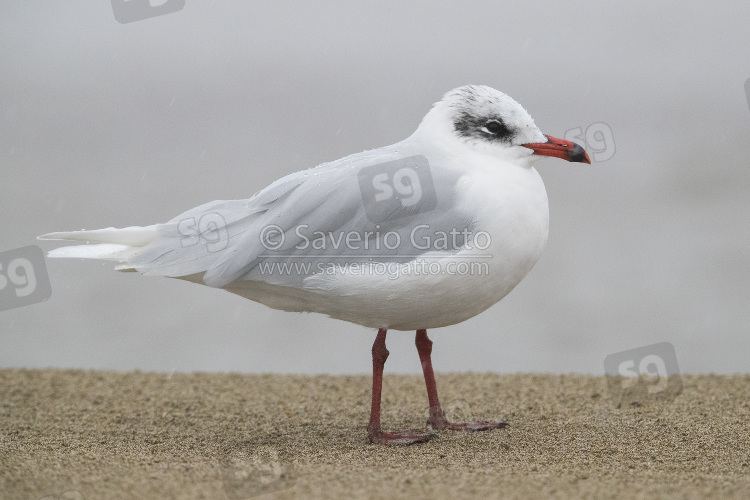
[{"x": 559, "y": 148}]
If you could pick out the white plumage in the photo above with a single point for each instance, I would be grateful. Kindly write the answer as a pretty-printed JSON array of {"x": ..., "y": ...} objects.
[{"x": 480, "y": 146}]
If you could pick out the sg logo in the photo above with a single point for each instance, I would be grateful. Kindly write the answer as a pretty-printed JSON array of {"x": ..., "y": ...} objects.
[
  {"x": 649, "y": 372},
  {"x": 397, "y": 189},
  {"x": 597, "y": 137},
  {"x": 256, "y": 472},
  {"x": 210, "y": 227},
  {"x": 127, "y": 11},
  {"x": 405, "y": 182},
  {"x": 23, "y": 278}
]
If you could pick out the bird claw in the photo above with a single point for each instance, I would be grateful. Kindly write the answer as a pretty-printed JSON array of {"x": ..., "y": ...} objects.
[{"x": 402, "y": 437}]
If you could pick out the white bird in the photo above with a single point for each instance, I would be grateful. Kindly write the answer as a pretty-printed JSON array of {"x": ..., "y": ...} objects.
[{"x": 427, "y": 232}]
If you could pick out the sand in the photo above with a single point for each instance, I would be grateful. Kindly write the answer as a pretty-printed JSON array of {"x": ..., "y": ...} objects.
[{"x": 68, "y": 434}]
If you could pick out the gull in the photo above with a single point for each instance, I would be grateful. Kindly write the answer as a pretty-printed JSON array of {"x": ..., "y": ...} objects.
[{"x": 421, "y": 234}]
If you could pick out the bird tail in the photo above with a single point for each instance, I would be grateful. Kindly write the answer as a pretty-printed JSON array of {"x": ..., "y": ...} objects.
[
  {"x": 189, "y": 244},
  {"x": 110, "y": 244}
]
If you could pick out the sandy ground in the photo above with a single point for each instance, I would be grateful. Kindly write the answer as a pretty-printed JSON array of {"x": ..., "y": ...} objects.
[{"x": 89, "y": 435}]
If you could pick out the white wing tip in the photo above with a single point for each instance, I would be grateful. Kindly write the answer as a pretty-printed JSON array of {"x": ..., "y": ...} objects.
[
  {"x": 53, "y": 236},
  {"x": 102, "y": 252}
]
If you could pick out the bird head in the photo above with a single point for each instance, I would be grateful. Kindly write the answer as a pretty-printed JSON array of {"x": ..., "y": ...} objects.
[{"x": 487, "y": 120}]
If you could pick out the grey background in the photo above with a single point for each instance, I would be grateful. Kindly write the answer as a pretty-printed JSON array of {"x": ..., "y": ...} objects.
[{"x": 104, "y": 124}]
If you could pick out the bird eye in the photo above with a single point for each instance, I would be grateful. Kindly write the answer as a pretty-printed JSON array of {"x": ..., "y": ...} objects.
[{"x": 494, "y": 127}]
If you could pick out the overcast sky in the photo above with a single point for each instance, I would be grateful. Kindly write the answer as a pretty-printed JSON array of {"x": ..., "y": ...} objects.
[{"x": 109, "y": 124}]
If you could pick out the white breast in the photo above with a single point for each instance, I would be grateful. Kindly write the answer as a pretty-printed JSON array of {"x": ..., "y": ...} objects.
[{"x": 510, "y": 204}]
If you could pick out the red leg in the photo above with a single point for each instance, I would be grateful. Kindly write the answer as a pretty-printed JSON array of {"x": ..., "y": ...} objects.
[
  {"x": 376, "y": 435},
  {"x": 437, "y": 418}
]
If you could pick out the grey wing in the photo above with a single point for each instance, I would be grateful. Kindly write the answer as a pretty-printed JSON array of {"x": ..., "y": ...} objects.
[
  {"x": 310, "y": 221},
  {"x": 195, "y": 240},
  {"x": 216, "y": 237}
]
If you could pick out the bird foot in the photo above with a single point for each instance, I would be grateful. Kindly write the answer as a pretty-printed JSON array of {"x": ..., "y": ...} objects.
[
  {"x": 441, "y": 423},
  {"x": 402, "y": 437}
]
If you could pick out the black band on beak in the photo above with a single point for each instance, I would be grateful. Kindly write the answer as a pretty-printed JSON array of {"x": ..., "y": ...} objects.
[{"x": 578, "y": 154}]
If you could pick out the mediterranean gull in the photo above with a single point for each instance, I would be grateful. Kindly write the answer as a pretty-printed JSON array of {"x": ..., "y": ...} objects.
[{"x": 427, "y": 232}]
